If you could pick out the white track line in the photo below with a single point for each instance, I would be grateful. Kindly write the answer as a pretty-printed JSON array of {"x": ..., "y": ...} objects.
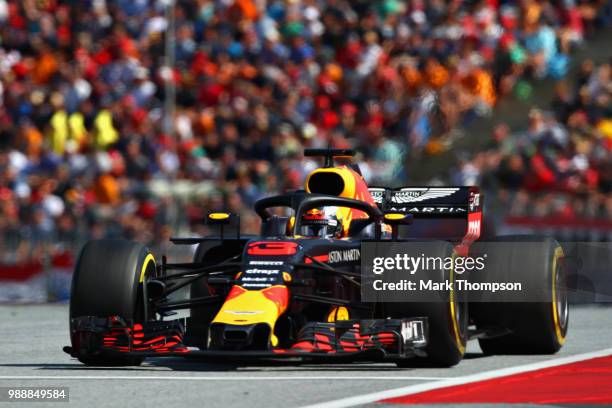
[
  {"x": 211, "y": 378},
  {"x": 413, "y": 389}
]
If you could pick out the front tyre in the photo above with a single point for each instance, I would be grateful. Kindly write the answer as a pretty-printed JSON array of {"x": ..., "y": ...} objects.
[
  {"x": 108, "y": 281},
  {"x": 447, "y": 315}
]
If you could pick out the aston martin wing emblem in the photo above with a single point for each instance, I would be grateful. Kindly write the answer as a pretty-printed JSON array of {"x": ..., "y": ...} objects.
[{"x": 416, "y": 194}]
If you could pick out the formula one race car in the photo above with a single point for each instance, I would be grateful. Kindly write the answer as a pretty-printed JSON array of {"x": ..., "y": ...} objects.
[{"x": 293, "y": 291}]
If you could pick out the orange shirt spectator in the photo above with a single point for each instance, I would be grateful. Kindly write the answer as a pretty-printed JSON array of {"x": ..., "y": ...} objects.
[
  {"x": 480, "y": 83},
  {"x": 107, "y": 190},
  {"x": 436, "y": 75},
  {"x": 44, "y": 68}
]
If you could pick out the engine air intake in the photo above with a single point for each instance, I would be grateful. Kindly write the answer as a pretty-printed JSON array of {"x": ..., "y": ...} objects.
[{"x": 326, "y": 183}]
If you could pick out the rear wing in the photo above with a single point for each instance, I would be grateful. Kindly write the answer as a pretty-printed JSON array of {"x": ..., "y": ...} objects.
[
  {"x": 429, "y": 202},
  {"x": 458, "y": 208}
]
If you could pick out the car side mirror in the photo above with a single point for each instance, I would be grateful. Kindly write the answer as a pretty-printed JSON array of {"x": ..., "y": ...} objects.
[
  {"x": 395, "y": 220},
  {"x": 224, "y": 219}
]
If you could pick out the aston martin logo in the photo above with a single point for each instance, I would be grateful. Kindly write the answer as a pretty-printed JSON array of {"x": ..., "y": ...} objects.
[
  {"x": 416, "y": 194},
  {"x": 377, "y": 194}
]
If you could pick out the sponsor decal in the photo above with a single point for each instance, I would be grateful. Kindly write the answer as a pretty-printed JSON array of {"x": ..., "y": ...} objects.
[
  {"x": 429, "y": 210},
  {"x": 256, "y": 285},
  {"x": 474, "y": 201},
  {"x": 412, "y": 195},
  {"x": 473, "y": 228},
  {"x": 347, "y": 255},
  {"x": 248, "y": 279},
  {"x": 262, "y": 271},
  {"x": 260, "y": 278},
  {"x": 377, "y": 194},
  {"x": 413, "y": 331},
  {"x": 269, "y": 263}
]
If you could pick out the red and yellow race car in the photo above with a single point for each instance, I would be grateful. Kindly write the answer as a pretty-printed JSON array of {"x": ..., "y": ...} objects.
[{"x": 295, "y": 290}]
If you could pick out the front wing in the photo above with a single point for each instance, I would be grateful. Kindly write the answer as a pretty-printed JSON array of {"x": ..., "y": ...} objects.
[{"x": 350, "y": 340}]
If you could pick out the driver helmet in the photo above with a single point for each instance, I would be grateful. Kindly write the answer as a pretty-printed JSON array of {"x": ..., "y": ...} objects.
[{"x": 316, "y": 223}]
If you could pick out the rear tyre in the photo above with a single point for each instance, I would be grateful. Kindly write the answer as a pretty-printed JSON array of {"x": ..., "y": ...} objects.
[
  {"x": 535, "y": 327},
  {"x": 447, "y": 316},
  {"x": 107, "y": 282}
]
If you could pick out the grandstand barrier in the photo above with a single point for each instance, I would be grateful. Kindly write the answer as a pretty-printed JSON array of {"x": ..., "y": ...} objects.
[{"x": 37, "y": 281}]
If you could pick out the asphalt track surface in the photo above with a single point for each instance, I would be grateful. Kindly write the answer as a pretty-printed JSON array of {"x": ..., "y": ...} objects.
[{"x": 31, "y": 355}]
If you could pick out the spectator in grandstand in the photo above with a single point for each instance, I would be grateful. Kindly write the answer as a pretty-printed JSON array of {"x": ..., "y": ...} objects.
[
  {"x": 561, "y": 164},
  {"x": 83, "y": 86}
]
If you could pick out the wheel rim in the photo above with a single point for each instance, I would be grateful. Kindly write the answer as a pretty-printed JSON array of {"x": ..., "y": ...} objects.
[
  {"x": 458, "y": 314},
  {"x": 457, "y": 303},
  {"x": 561, "y": 299}
]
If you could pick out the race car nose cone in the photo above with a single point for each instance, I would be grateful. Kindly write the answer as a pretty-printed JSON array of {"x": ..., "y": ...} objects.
[{"x": 239, "y": 337}]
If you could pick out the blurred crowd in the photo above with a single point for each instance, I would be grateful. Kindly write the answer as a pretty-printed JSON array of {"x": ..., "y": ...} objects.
[
  {"x": 83, "y": 86},
  {"x": 560, "y": 166}
]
